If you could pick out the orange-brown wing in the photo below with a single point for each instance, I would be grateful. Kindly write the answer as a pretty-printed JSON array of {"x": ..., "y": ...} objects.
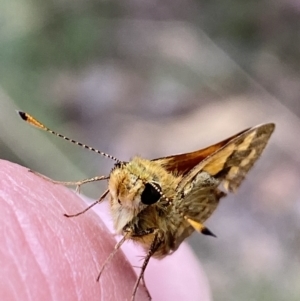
[{"x": 183, "y": 163}]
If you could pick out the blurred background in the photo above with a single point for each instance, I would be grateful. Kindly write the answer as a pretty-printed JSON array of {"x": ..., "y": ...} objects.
[{"x": 157, "y": 78}]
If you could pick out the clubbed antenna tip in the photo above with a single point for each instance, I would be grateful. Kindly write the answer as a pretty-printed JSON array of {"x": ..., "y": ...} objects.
[{"x": 23, "y": 115}]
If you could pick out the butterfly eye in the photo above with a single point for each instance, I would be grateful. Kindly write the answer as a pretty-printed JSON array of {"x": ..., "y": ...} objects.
[{"x": 151, "y": 193}]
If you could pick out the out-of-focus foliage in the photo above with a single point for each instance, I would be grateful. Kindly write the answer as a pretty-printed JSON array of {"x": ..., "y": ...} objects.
[{"x": 162, "y": 77}]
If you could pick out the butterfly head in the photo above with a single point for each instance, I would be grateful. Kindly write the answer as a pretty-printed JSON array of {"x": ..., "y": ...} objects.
[{"x": 132, "y": 189}]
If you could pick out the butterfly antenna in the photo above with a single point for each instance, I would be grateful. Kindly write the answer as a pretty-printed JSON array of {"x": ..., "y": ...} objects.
[{"x": 31, "y": 120}]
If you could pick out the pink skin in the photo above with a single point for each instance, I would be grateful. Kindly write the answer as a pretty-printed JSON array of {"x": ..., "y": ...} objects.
[{"x": 46, "y": 256}]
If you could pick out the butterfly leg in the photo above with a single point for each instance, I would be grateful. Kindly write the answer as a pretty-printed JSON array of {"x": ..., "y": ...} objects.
[
  {"x": 71, "y": 183},
  {"x": 89, "y": 207},
  {"x": 146, "y": 288},
  {"x": 153, "y": 247},
  {"x": 111, "y": 255}
]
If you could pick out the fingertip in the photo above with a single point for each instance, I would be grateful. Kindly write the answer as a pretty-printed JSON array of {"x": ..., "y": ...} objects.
[{"x": 53, "y": 252}]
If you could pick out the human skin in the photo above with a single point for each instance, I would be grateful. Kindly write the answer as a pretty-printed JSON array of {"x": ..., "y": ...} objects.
[{"x": 46, "y": 256}]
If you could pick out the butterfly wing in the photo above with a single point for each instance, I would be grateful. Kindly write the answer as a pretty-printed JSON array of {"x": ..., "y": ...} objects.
[
  {"x": 198, "y": 194},
  {"x": 181, "y": 164},
  {"x": 231, "y": 162}
]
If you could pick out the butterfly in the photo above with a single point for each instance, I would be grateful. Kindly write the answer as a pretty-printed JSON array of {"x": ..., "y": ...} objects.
[{"x": 159, "y": 203}]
